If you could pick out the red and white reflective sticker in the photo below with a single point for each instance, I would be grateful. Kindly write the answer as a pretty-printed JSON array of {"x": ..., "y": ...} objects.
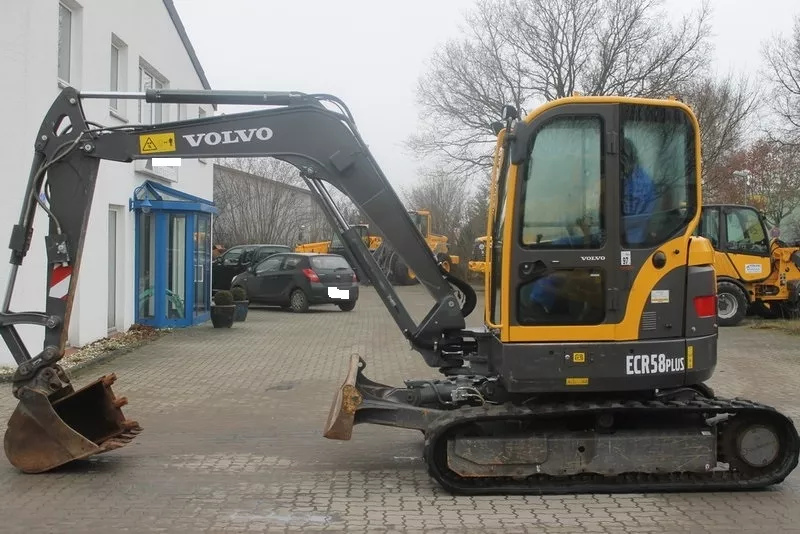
[{"x": 59, "y": 282}]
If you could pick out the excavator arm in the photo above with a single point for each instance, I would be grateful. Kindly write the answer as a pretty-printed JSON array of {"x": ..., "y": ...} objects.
[{"x": 322, "y": 143}]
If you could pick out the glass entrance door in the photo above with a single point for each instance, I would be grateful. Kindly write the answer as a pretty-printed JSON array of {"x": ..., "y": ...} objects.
[
  {"x": 202, "y": 263},
  {"x": 176, "y": 267}
]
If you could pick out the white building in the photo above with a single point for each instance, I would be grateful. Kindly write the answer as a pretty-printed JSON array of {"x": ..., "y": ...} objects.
[{"x": 98, "y": 45}]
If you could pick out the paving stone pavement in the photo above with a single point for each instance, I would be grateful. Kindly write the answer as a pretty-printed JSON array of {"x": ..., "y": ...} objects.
[{"x": 232, "y": 443}]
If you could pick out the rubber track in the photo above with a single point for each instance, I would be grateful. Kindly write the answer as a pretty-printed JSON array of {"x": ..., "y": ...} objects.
[{"x": 436, "y": 446}]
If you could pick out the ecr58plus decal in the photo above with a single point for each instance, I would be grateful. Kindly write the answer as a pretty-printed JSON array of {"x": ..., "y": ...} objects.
[{"x": 650, "y": 364}]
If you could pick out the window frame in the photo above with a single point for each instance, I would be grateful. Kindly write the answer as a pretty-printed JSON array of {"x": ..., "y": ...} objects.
[
  {"x": 114, "y": 80},
  {"x": 637, "y": 114},
  {"x": 524, "y": 173},
  {"x": 158, "y": 112},
  {"x": 259, "y": 270},
  {"x": 62, "y": 7},
  {"x": 732, "y": 211}
]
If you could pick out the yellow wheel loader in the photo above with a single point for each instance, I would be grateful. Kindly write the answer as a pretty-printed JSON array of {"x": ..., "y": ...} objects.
[
  {"x": 477, "y": 263},
  {"x": 394, "y": 265},
  {"x": 600, "y": 325},
  {"x": 754, "y": 273}
]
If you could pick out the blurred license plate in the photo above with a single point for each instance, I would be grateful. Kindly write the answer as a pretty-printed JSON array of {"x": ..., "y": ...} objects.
[{"x": 336, "y": 293}]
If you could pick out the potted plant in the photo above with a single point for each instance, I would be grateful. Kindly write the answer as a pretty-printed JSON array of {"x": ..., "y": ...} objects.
[
  {"x": 241, "y": 302},
  {"x": 223, "y": 309}
]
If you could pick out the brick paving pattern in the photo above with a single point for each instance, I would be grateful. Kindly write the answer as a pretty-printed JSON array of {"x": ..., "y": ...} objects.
[{"x": 232, "y": 443}]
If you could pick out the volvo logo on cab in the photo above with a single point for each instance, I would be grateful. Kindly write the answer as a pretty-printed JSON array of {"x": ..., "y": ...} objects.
[{"x": 649, "y": 364}]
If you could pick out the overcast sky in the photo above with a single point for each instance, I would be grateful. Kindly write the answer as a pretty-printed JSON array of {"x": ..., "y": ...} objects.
[{"x": 371, "y": 53}]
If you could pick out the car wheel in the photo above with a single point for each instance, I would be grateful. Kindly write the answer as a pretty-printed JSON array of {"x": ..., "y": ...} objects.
[
  {"x": 347, "y": 305},
  {"x": 298, "y": 302},
  {"x": 731, "y": 304}
]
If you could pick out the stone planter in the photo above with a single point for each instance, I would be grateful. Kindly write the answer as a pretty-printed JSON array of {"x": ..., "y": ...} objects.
[
  {"x": 223, "y": 316},
  {"x": 241, "y": 310}
]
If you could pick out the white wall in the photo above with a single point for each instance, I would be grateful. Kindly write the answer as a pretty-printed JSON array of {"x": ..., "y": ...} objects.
[{"x": 29, "y": 59}]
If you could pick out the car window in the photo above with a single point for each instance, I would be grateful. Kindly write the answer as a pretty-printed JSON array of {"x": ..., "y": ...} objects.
[
  {"x": 291, "y": 262},
  {"x": 271, "y": 264},
  {"x": 248, "y": 255},
  {"x": 266, "y": 252},
  {"x": 232, "y": 256},
  {"x": 329, "y": 262}
]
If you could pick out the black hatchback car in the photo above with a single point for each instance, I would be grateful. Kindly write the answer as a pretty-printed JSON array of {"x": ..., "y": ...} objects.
[
  {"x": 298, "y": 280},
  {"x": 237, "y": 259}
]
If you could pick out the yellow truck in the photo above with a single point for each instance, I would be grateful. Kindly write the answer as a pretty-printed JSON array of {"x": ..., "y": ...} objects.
[{"x": 754, "y": 273}]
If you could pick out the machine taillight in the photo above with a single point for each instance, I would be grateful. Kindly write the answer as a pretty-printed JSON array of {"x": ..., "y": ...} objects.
[
  {"x": 355, "y": 278},
  {"x": 705, "y": 306},
  {"x": 311, "y": 275}
]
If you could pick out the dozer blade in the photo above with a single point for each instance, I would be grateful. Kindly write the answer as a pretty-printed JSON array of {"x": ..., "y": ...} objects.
[
  {"x": 44, "y": 434},
  {"x": 343, "y": 410}
]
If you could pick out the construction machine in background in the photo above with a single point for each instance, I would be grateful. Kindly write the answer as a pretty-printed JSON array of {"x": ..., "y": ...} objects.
[
  {"x": 335, "y": 246},
  {"x": 754, "y": 273},
  {"x": 390, "y": 262},
  {"x": 599, "y": 335},
  {"x": 477, "y": 262},
  {"x": 393, "y": 264}
]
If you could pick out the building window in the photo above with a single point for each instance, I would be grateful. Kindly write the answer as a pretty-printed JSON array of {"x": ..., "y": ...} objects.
[
  {"x": 118, "y": 76},
  {"x": 114, "y": 85},
  {"x": 64, "y": 42},
  {"x": 150, "y": 113}
]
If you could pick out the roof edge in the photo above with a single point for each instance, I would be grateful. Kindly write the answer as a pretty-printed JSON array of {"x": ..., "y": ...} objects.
[{"x": 187, "y": 43}]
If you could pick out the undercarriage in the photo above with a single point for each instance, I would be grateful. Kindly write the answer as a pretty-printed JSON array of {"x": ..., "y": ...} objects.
[{"x": 480, "y": 440}]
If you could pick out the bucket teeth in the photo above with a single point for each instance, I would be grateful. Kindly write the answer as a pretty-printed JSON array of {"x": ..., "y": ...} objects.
[{"x": 108, "y": 380}]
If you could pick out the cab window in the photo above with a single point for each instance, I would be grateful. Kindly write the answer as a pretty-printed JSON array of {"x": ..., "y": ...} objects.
[
  {"x": 657, "y": 174},
  {"x": 745, "y": 232},
  {"x": 562, "y": 195},
  {"x": 709, "y": 226}
]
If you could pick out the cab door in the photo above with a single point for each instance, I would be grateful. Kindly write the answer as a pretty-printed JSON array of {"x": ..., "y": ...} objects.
[{"x": 602, "y": 197}]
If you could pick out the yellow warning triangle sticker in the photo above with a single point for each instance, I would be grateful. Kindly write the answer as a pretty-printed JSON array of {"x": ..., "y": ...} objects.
[{"x": 149, "y": 146}]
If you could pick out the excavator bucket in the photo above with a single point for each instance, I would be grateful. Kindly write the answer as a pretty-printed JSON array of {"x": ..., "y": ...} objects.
[
  {"x": 44, "y": 433},
  {"x": 341, "y": 417}
]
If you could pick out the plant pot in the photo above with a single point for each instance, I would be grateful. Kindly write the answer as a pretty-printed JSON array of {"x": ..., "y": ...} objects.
[
  {"x": 222, "y": 316},
  {"x": 241, "y": 310}
]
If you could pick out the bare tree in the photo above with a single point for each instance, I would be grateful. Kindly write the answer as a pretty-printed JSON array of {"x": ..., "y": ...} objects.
[
  {"x": 444, "y": 195},
  {"x": 725, "y": 109},
  {"x": 782, "y": 56},
  {"x": 260, "y": 200},
  {"x": 772, "y": 174},
  {"x": 524, "y": 52}
]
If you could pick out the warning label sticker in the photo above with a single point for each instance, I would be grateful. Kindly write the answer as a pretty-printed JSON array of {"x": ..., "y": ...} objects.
[{"x": 157, "y": 143}]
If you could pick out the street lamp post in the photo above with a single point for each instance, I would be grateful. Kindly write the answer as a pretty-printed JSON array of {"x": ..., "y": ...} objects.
[{"x": 745, "y": 174}]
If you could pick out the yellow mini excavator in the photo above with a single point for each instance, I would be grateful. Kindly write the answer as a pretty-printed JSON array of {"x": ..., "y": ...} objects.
[{"x": 600, "y": 316}]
